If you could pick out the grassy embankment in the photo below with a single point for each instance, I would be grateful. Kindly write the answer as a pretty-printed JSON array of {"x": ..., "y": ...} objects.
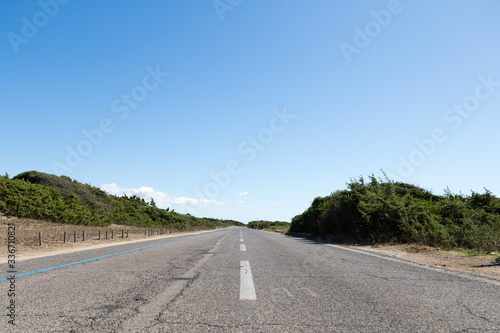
[
  {"x": 384, "y": 211},
  {"x": 46, "y": 197}
]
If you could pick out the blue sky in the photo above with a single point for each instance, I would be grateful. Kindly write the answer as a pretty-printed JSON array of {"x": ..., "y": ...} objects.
[{"x": 249, "y": 109}]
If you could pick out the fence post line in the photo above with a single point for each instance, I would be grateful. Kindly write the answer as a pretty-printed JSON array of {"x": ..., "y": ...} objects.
[
  {"x": 106, "y": 234},
  {"x": 39, "y": 239},
  {"x": 83, "y": 236},
  {"x": 127, "y": 233},
  {"x": 112, "y": 233},
  {"x": 74, "y": 236},
  {"x": 122, "y": 233},
  {"x": 99, "y": 234},
  {"x": 64, "y": 241}
]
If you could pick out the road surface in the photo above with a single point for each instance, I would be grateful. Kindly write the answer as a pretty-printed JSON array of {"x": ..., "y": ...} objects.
[{"x": 243, "y": 280}]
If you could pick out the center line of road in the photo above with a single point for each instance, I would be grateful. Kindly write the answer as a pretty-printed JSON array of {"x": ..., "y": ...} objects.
[
  {"x": 241, "y": 239},
  {"x": 243, "y": 247},
  {"x": 247, "y": 288}
]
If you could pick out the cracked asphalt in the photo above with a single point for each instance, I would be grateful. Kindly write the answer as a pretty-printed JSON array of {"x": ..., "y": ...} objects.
[{"x": 193, "y": 285}]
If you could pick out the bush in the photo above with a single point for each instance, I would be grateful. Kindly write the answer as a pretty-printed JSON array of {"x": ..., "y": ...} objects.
[
  {"x": 267, "y": 224},
  {"x": 386, "y": 211},
  {"x": 47, "y": 197}
]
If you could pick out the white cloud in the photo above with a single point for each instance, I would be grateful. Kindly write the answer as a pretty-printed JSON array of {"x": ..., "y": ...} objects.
[
  {"x": 162, "y": 200},
  {"x": 196, "y": 202},
  {"x": 110, "y": 188},
  {"x": 241, "y": 202},
  {"x": 243, "y": 193}
]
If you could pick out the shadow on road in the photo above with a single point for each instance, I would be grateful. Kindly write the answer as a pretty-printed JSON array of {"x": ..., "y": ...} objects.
[{"x": 309, "y": 238}]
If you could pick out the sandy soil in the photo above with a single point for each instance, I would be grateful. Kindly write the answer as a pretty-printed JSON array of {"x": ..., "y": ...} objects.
[
  {"x": 27, "y": 242},
  {"x": 487, "y": 265}
]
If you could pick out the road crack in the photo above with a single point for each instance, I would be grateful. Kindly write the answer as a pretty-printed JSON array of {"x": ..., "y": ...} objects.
[{"x": 475, "y": 315}]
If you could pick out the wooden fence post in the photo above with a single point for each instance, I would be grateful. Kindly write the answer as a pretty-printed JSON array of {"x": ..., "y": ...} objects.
[
  {"x": 74, "y": 236},
  {"x": 39, "y": 239},
  {"x": 64, "y": 237}
]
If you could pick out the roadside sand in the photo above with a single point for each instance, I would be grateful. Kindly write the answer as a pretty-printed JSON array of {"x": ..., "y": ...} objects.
[
  {"x": 487, "y": 265},
  {"x": 26, "y": 236}
]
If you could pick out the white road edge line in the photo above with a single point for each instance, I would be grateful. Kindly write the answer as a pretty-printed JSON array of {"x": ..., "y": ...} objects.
[
  {"x": 247, "y": 288},
  {"x": 469, "y": 276},
  {"x": 243, "y": 247}
]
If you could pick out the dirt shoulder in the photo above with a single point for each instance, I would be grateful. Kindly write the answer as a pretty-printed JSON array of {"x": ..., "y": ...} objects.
[
  {"x": 487, "y": 265},
  {"x": 27, "y": 237}
]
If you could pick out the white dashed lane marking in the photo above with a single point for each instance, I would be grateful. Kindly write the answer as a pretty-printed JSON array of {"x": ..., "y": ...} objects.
[{"x": 247, "y": 288}]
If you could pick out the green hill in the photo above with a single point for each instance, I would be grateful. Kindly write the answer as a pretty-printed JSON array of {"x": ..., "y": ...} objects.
[
  {"x": 267, "y": 224},
  {"x": 48, "y": 197},
  {"x": 387, "y": 211}
]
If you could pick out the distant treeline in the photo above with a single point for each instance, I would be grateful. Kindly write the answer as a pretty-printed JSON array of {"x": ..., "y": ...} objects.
[
  {"x": 267, "y": 224},
  {"x": 385, "y": 211},
  {"x": 59, "y": 199}
]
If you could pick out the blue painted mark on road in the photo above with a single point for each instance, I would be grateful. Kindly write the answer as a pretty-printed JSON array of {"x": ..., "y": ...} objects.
[{"x": 101, "y": 257}]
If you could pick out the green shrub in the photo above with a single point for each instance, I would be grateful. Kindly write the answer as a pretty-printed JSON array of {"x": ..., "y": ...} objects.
[
  {"x": 386, "y": 211},
  {"x": 60, "y": 199}
]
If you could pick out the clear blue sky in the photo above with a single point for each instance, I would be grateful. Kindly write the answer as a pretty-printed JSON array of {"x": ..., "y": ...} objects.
[{"x": 280, "y": 101}]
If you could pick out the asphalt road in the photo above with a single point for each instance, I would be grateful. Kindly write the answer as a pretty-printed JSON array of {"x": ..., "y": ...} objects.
[{"x": 242, "y": 280}]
